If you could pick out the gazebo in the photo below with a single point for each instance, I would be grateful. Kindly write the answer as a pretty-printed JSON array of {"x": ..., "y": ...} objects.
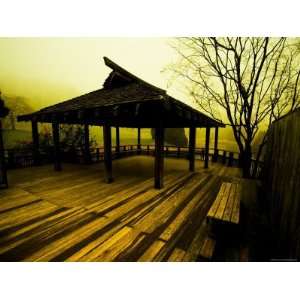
[{"x": 124, "y": 101}]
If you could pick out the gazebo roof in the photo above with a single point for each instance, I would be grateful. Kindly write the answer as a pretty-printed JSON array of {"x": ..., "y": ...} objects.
[{"x": 125, "y": 100}]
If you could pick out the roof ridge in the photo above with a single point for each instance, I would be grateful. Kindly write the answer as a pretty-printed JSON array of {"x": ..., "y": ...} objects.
[{"x": 114, "y": 66}]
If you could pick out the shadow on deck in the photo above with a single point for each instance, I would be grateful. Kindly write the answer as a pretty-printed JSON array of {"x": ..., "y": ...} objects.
[{"x": 75, "y": 216}]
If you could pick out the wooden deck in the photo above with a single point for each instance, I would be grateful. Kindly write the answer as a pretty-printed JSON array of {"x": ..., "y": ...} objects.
[{"x": 74, "y": 215}]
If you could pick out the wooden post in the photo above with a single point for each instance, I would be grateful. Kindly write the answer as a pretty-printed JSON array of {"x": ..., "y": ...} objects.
[
  {"x": 159, "y": 157},
  {"x": 35, "y": 143},
  {"x": 240, "y": 162},
  {"x": 87, "y": 153},
  {"x": 230, "y": 160},
  {"x": 57, "y": 154},
  {"x": 139, "y": 141},
  {"x": 216, "y": 144},
  {"x": 206, "y": 147},
  {"x": 192, "y": 143},
  {"x": 3, "y": 174},
  {"x": 97, "y": 154},
  {"x": 117, "y": 140},
  {"x": 224, "y": 157},
  {"x": 10, "y": 158},
  {"x": 107, "y": 153}
]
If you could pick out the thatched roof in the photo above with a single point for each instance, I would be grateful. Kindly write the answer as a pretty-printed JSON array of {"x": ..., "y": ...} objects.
[{"x": 125, "y": 100}]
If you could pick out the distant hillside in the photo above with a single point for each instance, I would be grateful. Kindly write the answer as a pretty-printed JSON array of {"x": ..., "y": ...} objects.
[
  {"x": 12, "y": 138},
  {"x": 174, "y": 136},
  {"x": 18, "y": 106}
]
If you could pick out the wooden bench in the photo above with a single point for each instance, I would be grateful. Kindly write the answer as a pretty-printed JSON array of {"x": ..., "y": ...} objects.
[{"x": 226, "y": 207}]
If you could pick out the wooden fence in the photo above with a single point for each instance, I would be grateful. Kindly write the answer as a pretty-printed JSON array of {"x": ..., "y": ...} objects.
[{"x": 281, "y": 182}]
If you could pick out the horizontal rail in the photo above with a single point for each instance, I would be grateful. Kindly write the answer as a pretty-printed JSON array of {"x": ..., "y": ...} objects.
[{"x": 19, "y": 158}]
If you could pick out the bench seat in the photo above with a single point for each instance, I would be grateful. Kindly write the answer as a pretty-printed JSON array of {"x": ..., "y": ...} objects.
[{"x": 226, "y": 207}]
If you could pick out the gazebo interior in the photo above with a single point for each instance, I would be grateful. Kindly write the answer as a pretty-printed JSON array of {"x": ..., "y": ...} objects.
[{"x": 124, "y": 101}]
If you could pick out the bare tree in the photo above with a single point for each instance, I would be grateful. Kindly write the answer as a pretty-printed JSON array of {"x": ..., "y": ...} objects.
[{"x": 245, "y": 82}]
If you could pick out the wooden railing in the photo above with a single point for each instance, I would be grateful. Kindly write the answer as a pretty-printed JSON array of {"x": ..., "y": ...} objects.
[{"x": 24, "y": 158}]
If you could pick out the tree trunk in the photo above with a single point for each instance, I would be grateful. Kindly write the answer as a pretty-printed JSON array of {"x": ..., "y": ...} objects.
[
  {"x": 260, "y": 152},
  {"x": 246, "y": 156}
]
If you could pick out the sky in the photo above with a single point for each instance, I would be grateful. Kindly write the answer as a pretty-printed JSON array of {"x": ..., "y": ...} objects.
[{"x": 50, "y": 70}]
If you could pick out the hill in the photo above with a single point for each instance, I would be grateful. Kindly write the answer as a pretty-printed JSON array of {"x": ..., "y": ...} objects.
[{"x": 17, "y": 106}]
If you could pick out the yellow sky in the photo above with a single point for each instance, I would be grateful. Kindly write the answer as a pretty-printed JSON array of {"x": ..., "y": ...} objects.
[{"x": 49, "y": 70}]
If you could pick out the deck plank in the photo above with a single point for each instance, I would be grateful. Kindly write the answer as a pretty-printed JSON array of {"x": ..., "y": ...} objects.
[
  {"x": 152, "y": 251},
  {"x": 177, "y": 255},
  {"x": 56, "y": 247},
  {"x": 75, "y": 216}
]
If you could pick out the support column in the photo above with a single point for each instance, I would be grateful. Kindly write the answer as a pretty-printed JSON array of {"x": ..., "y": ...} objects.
[
  {"x": 192, "y": 143},
  {"x": 35, "y": 143},
  {"x": 57, "y": 154},
  {"x": 107, "y": 153},
  {"x": 139, "y": 141},
  {"x": 206, "y": 147},
  {"x": 216, "y": 151},
  {"x": 3, "y": 174},
  {"x": 87, "y": 153},
  {"x": 159, "y": 157},
  {"x": 117, "y": 140}
]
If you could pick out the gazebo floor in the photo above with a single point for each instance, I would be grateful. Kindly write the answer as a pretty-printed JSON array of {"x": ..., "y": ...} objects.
[{"x": 73, "y": 215}]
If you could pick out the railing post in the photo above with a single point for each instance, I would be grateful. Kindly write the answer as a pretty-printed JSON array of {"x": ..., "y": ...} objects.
[
  {"x": 107, "y": 153},
  {"x": 35, "y": 143},
  {"x": 159, "y": 157},
  {"x": 230, "y": 160},
  {"x": 117, "y": 140},
  {"x": 139, "y": 141},
  {"x": 97, "y": 154},
  {"x": 178, "y": 151},
  {"x": 11, "y": 158},
  {"x": 240, "y": 163},
  {"x": 215, "y": 156},
  {"x": 57, "y": 152},
  {"x": 224, "y": 157},
  {"x": 87, "y": 153},
  {"x": 3, "y": 173},
  {"x": 192, "y": 143},
  {"x": 206, "y": 147}
]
